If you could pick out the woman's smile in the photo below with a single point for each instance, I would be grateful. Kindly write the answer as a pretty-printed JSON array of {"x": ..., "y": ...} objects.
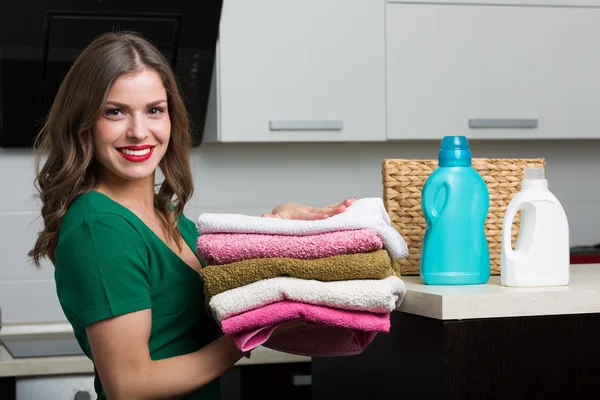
[{"x": 136, "y": 153}]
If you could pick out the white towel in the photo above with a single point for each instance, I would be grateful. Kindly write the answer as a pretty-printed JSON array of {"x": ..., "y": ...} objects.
[
  {"x": 373, "y": 295},
  {"x": 363, "y": 213}
]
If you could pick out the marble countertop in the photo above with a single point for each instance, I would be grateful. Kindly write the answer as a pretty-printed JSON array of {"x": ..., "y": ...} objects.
[{"x": 493, "y": 300}]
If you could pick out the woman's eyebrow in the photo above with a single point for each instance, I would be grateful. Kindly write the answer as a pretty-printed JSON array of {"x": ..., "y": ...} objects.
[{"x": 125, "y": 106}]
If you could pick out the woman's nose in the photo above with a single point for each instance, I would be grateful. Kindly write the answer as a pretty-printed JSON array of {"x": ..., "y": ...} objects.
[{"x": 137, "y": 129}]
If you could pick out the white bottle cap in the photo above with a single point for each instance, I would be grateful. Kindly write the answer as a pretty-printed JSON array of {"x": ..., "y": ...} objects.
[{"x": 534, "y": 173}]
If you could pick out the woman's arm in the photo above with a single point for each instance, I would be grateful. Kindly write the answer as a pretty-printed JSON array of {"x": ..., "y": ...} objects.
[{"x": 120, "y": 351}]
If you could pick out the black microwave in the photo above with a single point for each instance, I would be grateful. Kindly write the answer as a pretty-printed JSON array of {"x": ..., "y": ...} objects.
[{"x": 39, "y": 40}]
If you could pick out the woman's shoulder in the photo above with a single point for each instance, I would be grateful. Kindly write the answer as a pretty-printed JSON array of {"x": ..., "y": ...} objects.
[
  {"x": 94, "y": 231},
  {"x": 94, "y": 210}
]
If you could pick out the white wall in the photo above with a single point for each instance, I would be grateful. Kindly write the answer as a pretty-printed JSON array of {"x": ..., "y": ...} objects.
[{"x": 255, "y": 177}]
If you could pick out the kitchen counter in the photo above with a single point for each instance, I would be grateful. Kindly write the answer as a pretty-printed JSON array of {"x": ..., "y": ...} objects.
[
  {"x": 493, "y": 300},
  {"x": 56, "y": 334},
  {"x": 69, "y": 365},
  {"x": 478, "y": 342},
  {"x": 45, "y": 358},
  {"x": 444, "y": 303},
  {"x": 471, "y": 342}
]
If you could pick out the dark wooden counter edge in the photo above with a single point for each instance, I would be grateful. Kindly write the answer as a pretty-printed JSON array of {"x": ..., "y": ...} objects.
[{"x": 498, "y": 358}]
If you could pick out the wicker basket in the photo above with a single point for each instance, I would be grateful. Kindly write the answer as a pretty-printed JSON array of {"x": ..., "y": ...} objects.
[{"x": 403, "y": 182}]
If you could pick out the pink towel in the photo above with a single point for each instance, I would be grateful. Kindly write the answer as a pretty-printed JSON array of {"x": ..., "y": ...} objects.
[
  {"x": 286, "y": 310},
  {"x": 356, "y": 329},
  {"x": 224, "y": 248},
  {"x": 311, "y": 340}
]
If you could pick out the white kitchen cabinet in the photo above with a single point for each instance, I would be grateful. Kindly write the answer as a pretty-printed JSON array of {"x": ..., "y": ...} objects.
[
  {"x": 492, "y": 71},
  {"x": 301, "y": 71}
]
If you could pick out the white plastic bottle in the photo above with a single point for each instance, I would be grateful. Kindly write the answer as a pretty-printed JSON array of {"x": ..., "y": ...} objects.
[{"x": 541, "y": 255}]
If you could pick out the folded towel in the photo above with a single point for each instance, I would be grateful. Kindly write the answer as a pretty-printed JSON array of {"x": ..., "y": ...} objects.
[
  {"x": 326, "y": 331},
  {"x": 311, "y": 340},
  {"x": 363, "y": 213},
  {"x": 283, "y": 311},
  {"x": 231, "y": 247},
  {"x": 375, "y": 295},
  {"x": 373, "y": 265}
]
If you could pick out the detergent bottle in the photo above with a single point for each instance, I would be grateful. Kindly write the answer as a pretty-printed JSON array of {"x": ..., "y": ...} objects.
[
  {"x": 541, "y": 255},
  {"x": 455, "y": 202}
]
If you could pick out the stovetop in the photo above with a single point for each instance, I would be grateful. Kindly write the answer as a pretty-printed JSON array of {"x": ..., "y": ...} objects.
[{"x": 39, "y": 340}]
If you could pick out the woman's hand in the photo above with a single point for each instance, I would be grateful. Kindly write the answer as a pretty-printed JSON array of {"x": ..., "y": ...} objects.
[{"x": 300, "y": 211}]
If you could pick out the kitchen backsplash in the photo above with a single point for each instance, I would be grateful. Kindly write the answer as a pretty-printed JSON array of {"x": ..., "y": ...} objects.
[{"x": 252, "y": 178}]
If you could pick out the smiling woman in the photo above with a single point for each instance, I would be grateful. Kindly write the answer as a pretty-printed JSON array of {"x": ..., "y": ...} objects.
[
  {"x": 133, "y": 132},
  {"x": 119, "y": 248},
  {"x": 103, "y": 104},
  {"x": 126, "y": 270}
]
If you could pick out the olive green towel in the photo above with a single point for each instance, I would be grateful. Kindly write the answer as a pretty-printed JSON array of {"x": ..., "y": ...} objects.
[{"x": 372, "y": 265}]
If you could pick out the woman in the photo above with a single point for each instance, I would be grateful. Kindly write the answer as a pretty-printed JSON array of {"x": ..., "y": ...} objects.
[{"x": 125, "y": 267}]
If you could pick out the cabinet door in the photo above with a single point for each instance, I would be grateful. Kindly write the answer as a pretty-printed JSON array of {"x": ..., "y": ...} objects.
[
  {"x": 307, "y": 71},
  {"x": 493, "y": 72}
]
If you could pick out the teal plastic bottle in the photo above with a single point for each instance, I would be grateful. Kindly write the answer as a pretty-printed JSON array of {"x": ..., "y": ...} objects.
[{"x": 455, "y": 203}]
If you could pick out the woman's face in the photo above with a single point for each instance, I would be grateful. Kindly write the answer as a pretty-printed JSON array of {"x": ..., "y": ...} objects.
[{"x": 133, "y": 131}]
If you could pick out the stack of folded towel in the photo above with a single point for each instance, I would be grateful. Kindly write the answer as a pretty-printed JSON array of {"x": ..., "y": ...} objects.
[{"x": 328, "y": 285}]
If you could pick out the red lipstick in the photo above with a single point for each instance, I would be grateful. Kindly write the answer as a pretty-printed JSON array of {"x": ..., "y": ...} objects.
[
  {"x": 136, "y": 153},
  {"x": 140, "y": 147}
]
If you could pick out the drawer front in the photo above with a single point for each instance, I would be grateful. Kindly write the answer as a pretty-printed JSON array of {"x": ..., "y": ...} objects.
[
  {"x": 492, "y": 72},
  {"x": 310, "y": 70},
  {"x": 534, "y": 3},
  {"x": 70, "y": 387}
]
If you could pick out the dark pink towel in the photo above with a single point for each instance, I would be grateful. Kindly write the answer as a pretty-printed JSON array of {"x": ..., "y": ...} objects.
[
  {"x": 224, "y": 248},
  {"x": 310, "y": 340},
  {"x": 355, "y": 329},
  {"x": 286, "y": 310}
]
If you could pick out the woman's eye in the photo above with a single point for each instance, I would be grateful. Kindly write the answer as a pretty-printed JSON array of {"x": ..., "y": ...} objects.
[
  {"x": 113, "y": 112},
  {"x": 157, "y": 110}
]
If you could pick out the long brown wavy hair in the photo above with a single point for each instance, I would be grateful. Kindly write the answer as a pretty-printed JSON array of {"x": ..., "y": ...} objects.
[{"x": 66, "y": 139}]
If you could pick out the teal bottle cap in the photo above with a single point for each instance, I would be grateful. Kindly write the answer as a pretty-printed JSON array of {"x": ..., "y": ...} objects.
[{"x": 454, "y": 152}]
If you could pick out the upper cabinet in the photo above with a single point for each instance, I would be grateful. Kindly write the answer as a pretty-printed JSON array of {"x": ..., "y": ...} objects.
[
  {"x": 299, "y": 71},
  {"x": 492, "y": 71},
  {"x": 376, "y": 70}
]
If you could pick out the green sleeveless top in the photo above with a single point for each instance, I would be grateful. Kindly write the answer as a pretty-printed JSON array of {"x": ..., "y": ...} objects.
[{"x": 109, "y": 263}]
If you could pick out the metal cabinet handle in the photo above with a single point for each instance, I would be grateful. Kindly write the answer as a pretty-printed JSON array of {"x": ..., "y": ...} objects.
[
  {"x": 503, "y": 123},
  {"x": 302, "y": 380},
  {"x": 307, "y": 125}
]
